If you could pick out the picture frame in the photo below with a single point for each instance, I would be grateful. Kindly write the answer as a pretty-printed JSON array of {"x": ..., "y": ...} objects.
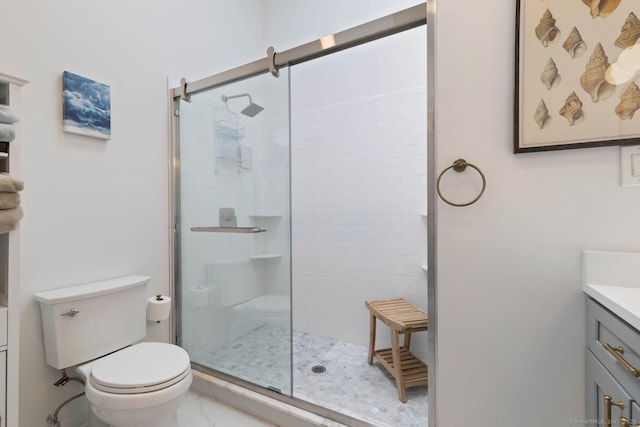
[
  {"x": 577, "y": 67},
  {"x": 86, "y": 106}
]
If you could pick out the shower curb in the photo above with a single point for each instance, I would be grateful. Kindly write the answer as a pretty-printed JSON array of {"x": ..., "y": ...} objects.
[{"x": 256, "y": 404}]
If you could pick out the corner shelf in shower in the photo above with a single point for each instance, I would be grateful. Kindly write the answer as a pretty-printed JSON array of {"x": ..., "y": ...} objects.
[
  {"x": 229, "y": 159},
  {"x": 239, "y": 230},
  {"x": 265, "y": 256}
]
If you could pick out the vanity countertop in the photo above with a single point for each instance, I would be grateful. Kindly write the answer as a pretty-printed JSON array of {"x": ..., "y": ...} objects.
[
  {"x": 613, "y": 280},
  {"x": 621, "y": 300}
]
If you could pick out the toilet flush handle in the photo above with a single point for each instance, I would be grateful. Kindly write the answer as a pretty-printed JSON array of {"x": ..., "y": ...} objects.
[{"x": 71, "y": 313}]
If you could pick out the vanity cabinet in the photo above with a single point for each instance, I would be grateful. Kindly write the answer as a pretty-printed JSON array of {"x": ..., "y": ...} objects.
[{"x": 613, "y": 368}]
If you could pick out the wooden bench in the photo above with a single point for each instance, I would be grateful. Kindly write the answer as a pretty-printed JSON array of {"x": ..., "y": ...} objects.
[{"x": 402, "y": 318}]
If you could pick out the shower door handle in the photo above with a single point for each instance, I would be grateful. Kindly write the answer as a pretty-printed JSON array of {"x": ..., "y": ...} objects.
[{"x": 229, "y": 229}]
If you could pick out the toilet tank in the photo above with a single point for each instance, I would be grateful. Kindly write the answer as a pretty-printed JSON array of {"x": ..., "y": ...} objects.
[
  {"x": 233, "y": 280},
  {"x": 83, "y": 322}
]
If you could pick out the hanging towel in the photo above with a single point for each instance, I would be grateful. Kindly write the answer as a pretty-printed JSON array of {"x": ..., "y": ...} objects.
[
  {"x": 7, "y": 132},
  {"x": 7, "y": 115},
  {"x": 9, "y": 219},
  {"x": 9, "y": 200},
  {"x": 10, "y": 184}
]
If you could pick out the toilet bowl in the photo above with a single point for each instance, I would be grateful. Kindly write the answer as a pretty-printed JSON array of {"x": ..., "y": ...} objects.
[
  {"x": 139, "y": 386},
  {"x": 94, "y": 331}
]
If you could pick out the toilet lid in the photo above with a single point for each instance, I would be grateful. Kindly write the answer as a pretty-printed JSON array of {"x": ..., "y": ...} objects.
[{"x": 140, "y": 368}]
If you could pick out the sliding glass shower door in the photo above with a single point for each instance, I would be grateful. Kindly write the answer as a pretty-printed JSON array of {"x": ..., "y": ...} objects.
[{"x": 233, "y": 230}]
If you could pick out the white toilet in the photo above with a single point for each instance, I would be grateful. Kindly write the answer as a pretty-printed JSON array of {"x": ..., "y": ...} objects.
[{"x": 90, "y": 330}]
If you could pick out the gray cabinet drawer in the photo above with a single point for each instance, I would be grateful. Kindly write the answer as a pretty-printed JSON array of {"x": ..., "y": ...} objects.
[
  {"x": 600, "y": 383},
  {"x": 605, "y": 329}
]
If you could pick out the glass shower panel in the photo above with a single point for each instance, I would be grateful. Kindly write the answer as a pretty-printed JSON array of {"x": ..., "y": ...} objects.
[{"x": 234, "y": 230}]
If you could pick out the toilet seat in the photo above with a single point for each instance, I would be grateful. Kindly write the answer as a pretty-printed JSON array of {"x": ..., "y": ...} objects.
[{"x": 141, "y": 368}]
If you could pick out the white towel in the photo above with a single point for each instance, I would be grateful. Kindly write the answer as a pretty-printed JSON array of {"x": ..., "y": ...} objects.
[
  {"x": 9, "y": 200},
  {"x": 10, "y": 184},
  {"x": 9, "y": 219},
  {"x": 7, "y": 132},
  {"x": 7, "y": 115}
]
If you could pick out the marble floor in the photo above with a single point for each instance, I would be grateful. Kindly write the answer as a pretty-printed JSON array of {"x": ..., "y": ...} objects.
[
  {"x": 202, "y": 411},
  {"x": 349, "y": 385}
]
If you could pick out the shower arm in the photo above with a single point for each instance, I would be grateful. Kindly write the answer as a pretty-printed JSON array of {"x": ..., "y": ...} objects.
[{"x": 225, "y": 98}]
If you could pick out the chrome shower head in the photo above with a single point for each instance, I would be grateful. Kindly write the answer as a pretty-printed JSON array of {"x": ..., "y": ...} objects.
[{"x": 250, "y": 110}]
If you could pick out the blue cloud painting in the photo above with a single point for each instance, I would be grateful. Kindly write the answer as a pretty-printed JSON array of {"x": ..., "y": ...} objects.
[{"x": 86, "y": 106}]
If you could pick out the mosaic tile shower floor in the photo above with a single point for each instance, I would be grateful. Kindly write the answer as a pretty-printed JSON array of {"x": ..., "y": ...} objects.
[{"x": 349, "y": 385}]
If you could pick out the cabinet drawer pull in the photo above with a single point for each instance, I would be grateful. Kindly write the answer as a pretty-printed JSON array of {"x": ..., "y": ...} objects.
[
  {"x": 617, "y": 352},
  {"x": 625, "y": 423},
  {"x": 608, "y": 403}
]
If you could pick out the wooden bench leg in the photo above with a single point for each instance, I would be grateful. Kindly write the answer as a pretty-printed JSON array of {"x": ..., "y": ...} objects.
[
  {"x": 372, "y": 337},
  {"x": 397, "y": 365},
  {"x": 407, "y": 340}
]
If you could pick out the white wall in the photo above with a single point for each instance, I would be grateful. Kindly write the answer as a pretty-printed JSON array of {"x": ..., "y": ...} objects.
[
  {"x": 289, "y": 23},
  {"x": 511, "y": 312},
  {"x": 96, "y": 209}
]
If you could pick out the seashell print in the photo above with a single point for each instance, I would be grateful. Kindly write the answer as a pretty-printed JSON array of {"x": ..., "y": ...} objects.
[
  {"x": 593, "y": 79},
  {"x": 629, "y": 102},
  {"x": 574, "y": 45},
  {"x": 629, "y": 33},
  {"x": 601, "y": 8},
  {"x": 546, "y": 31},
  {"x": 542, "y": 117},
  {"x": 550, "y": 76},
  {"x": 572, "y": 109}
]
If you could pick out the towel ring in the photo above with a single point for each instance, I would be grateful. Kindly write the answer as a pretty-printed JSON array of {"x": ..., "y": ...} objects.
[{"x": 459, "y": 166}]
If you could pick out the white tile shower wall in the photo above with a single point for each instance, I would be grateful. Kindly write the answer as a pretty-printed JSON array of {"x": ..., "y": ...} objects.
[
  {"x": 359, "y": 191},
  {"x": 204, "y": 189},
  {"x": 259, "y": 193}
]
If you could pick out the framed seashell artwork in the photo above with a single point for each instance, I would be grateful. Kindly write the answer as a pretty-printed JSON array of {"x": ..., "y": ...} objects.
[{"x": 577, "y": 81}]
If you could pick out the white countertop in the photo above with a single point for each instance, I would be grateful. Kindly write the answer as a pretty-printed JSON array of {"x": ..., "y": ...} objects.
[{"x": 621, "y": 300}]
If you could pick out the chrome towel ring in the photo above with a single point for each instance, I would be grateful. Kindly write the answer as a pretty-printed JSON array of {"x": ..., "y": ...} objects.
[{"x": 459, "y": 166}]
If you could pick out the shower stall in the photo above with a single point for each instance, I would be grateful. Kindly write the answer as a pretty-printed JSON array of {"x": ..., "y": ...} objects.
[{"x": 290, "y": 213}]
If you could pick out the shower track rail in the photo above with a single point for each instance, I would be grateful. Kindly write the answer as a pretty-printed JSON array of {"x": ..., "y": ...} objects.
[
  {"x": 403, "y": 20},
  {"x": 229, "y": 229}
]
